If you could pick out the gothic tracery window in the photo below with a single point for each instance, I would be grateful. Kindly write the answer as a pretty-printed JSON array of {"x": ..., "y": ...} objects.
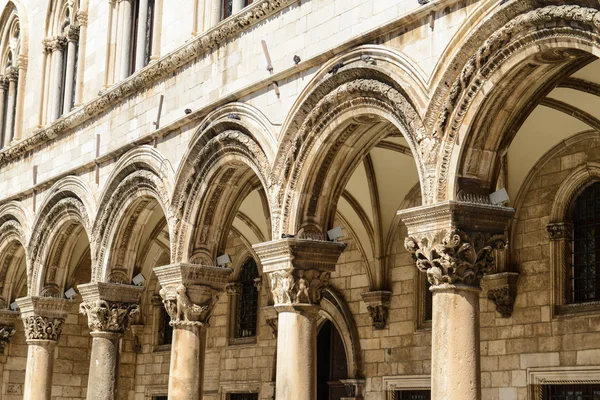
[
  {"x": 11, "y": 65},
  {"x": 247, "y": 309},
  {"x": 142, "y": 24},
  {"x": 584, "y": 280}
]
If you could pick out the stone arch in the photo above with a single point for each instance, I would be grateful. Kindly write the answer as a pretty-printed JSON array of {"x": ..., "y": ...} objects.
[
  {"x": 14, "y": 231},
  {"x": 335, "y": 309},
  {"x": 224, "y": 163},
  {"x": 333, "y": 112},
  {"x": 470, "y": 130},
  {"x": 66, "y": 212},
  {"x": 141, "y": 181}
]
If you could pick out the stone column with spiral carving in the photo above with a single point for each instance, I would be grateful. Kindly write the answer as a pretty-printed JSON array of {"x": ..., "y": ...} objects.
[
  {"x": 189, "y": 293},
  {"x": 299, "y": 271},
  {"x": 43, "y": 318},
  {"x": 108, "y": 307},
  {"x": 455, "y": 244}
]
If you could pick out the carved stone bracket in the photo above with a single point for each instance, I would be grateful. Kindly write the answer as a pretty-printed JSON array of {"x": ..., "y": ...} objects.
[
  {"x": 560, "y": 230},
  {"x": 190, "y": 292},
  {"x": 7, "y": 327},
  {"x": 43, "y": 317},
  {"x": 501, "y": 289},
  {"x": 271, "y": 318},
  {"x": 109, "y": 306},
  {"x": 455, "y": 242},
  {"x": 137, "y": 331},
  {"x": 378, "y": 304},
  {"x": 299, "y": 269},
  {"x": 354, "y": 388}
]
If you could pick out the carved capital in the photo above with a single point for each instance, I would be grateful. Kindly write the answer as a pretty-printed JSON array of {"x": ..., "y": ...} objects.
[
  {"x": 456, "y": 242},
  {"x": 234, "y": 288},
  {"x": 58, "y": 43},
  {"x": 298, "y": 269},
  {"x": 22, "y": 61},
  {"x": 43, "y": 317},
  {"x": 73, "y": 33},
  {"x": 190, "y": 292},
  {"x": 560, "y": 230},
  {"x": 109, "y": 307},
  {"x": 47, "y": 45},
  {"x": 3, "y": 82},
  {"x": 6, "y": 332},
  {"x": 378, "y": 305},
  {"x": 12, "y": 73},
  {"x": 82, "y": 18},
  {"x": 502, "y": 291}
]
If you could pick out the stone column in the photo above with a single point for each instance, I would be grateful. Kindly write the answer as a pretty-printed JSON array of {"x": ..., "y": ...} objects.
[
  {"x": 7, "y": 327},
  {"x": 189, "y": 293},
  {"x": 3, "y": 89},
  {"x": 73, "y": 39},
  {"x": 108, "y": 307},
  {"x": 455, "y": 243},
  {"x": 9, "y": 128},
  {"x": 82, "y": 21},
  {"x": 43, "y": 318},
  {"x": 125, "y": 42},
  {"x": 140, "y": 51},
  {"x": 58, "y": 50},
  {"x": 299, "y": 271},
  {"x": 236, "y": 6}
]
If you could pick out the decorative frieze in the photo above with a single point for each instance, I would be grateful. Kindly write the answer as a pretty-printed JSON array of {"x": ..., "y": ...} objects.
[
  {"x": 501, "y": 289},
  {"x": 109, "y": 307},
  {"x": 378, "y": 305},
  {"x": 455, "y": 242},
  {"x": 299, "y": 269},
  {"x": 190, "y": 292}
]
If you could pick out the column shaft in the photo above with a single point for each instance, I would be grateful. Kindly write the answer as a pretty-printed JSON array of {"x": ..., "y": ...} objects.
[
  {"x": 455, "y": 367},
  {"x": 126, "y": 10},
  {"x": 186, "y": 373},
  {"x": 70, "y": 76},
  {"x": 296, "y": 377},
  {"x": 102, "y": 383},
  {"x": 58, "y": 61},
  {"x": 140, "y": 51},
  {"x": 236, "y": 6},
  {"x": 3, "y": 88},
  {"x": 10, "y": 110},
  {"x": 40, "y": 366}
]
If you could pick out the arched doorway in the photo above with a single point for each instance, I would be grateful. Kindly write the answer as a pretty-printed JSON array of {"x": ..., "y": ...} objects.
[{"x": 332, "y": 365}]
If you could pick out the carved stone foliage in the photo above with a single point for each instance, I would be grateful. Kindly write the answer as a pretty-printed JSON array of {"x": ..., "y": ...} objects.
[
  {"x": 379, "y": 315},
  {"x": 460, "y": 257},
  {"x": 502, "y": 291},
  {"x": 108, "y": 316},
  {"x": 202, "y": 44},
  {"x": 298, "y": 286},
  {"x": 6, "y": 332},
  {"x": 378, "y": 304},
  {"x": 576, "y": 21},
  {"x": 561, "y": 230},
  {"x": 43, "y": 328},
  {"x": 183, "y": 311}
]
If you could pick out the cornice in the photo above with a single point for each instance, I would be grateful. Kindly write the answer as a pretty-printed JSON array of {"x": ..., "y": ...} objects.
[
  {"x": 47, "y": 307},
  {"x": 202, "y": 44}
]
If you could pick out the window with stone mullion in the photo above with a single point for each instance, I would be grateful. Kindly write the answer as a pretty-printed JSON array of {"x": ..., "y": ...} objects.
[
  {"x": 412, "y": 395},
  {"x": 247, "y": 301},
  {"x": 571, "y": 392}
]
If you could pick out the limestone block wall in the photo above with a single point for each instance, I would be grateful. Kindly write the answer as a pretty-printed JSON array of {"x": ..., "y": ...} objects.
[{"x": 12, "y": 366}]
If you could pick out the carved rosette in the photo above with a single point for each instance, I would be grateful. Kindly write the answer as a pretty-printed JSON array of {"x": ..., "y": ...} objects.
[
  {"x": 190, "y": 292},
  {"x": 109, "y": 307},
  {"x": 456, "y": 242},
  {"x": 378, "y": 305},
  {"x": 460, "y": 258},
  {"x": 43, "y": 328},
  {"x": 108, "y": 316},
  {"x": 299, "y": 269}
]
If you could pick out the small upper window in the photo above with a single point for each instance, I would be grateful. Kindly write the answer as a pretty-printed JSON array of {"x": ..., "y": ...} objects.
[
  {"x": 248, "y": 301},
  {"x": 584, "y": 280}
]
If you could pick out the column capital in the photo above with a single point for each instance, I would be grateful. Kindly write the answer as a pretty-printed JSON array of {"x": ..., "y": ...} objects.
[
  {"x": 47, "y": 45},
  {"x": 73, "y": 33},
  {"x": 190, "y": 292},
  {"x": 233, "y": 288},
  {"x": 454, "y": 242},
  {"x": 299, "y": 269},
  {"x": 560, "y": 230},
  {"x": 12, "y": 73},
  {"x": 7, "y": 327},
  {"x": 58, "y": 43},
  {"x": 3, "y": 82},
  {"x": 43, "y": 317},
  {"x": 109, "y": 306},
  {"x": 82, "y": 18}
]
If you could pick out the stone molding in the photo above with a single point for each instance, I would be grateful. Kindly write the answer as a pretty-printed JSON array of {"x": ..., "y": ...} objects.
[
  {"x": 255, "y": 13},
  {"x": 190, "y": 292},
  {"x": 378, "y": 305},
  {"x": 43, "y": 317},
  {"x": 501, "y": 289},
  {"x": 109, "y": 306},
  {"x": 299, "y": 269},
  {"x": 560, "y": 230},
  {"x": 454, "y": 242}
]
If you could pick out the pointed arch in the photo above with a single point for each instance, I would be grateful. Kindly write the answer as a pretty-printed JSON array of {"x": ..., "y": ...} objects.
[
  {"x": 224, "y": 164},
  {"x": 14, "y": 231},
  {"x": 66, "y": 213},
  {"x": 141, "y": 181}
]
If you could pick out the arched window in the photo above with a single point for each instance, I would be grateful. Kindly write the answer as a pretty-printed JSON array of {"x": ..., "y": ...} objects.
[
  {"x": 584, "y": 280},
  {"x": 247, "y": 310},
  {"x": 11, "y": 66},
  {"x": 62, "y": 56},
  {"x": 231, "y": 7}
]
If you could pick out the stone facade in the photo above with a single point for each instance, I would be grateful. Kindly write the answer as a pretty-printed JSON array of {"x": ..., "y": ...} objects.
[{"x": 138, "y": 176}]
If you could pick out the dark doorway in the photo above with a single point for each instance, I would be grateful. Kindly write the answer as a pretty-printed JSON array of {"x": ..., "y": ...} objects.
[{"x": 331, "y": 363}]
